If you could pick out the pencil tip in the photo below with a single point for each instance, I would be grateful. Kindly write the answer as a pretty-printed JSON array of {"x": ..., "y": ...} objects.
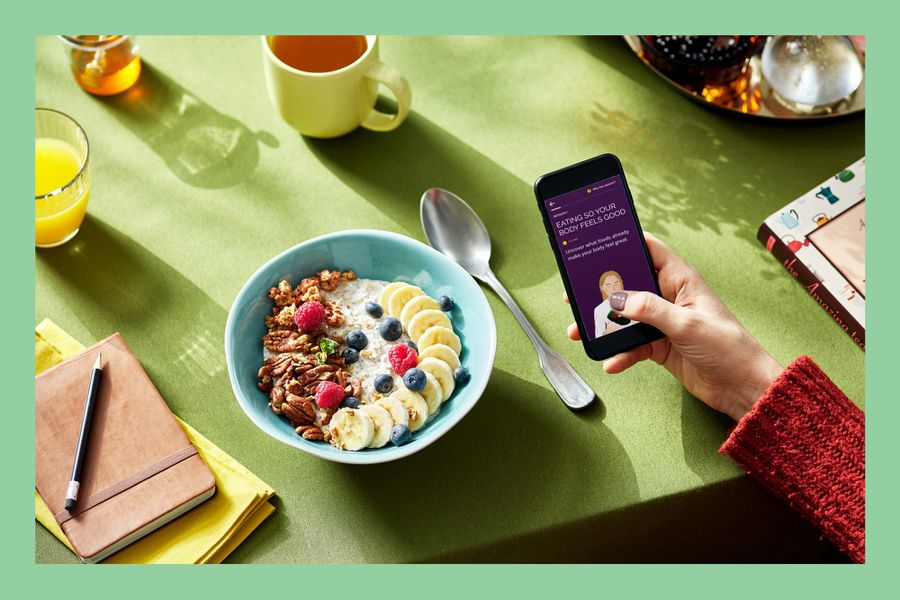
[{"x": 97, "y": 362}]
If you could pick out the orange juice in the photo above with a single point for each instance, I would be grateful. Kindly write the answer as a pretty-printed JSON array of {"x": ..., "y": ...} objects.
[{"x": 57, "y": 168}]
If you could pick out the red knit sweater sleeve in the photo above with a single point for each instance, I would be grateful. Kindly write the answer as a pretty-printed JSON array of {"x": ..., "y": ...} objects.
[{"x": 805, "y": 441}]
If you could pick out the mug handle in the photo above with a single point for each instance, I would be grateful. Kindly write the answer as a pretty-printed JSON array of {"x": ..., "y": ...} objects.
[{"x": 391, "y": 77}]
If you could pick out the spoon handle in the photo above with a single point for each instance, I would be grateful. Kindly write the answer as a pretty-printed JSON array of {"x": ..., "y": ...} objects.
[{"x": 571, "y": 388}]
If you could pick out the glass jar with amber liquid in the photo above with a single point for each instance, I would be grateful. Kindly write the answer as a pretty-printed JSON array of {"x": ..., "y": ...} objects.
[{"x": 103, "y": 64}]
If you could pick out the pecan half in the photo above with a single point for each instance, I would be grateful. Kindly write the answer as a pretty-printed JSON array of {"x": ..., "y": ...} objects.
[
  {"x": 298, "y": 410},
  {"x": 277, "y": 397},
  {"x": 283, "y": 380},
  {"x": 280, "y": 368},
  {"x": 310, "y": 432},
  {"x": 274, "y": 359},
  {"x": 315, "y": 374}
]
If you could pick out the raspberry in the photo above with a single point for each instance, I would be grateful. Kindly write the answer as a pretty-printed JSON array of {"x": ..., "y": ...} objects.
[
  {"x": 309, "y": 316},
  {"x": 402, "y": 358},
  {"x": 329, "y": 394}
]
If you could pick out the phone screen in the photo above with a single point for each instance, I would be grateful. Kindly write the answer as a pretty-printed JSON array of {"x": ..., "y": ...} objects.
[{"x": 597, "y": 237}]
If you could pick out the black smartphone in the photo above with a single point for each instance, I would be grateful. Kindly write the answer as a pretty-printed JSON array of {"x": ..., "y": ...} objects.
[{"x": 600, "y": 249}]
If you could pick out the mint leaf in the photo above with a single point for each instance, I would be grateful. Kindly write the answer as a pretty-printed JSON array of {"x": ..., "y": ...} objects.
[{"x": 328, "y": 346}]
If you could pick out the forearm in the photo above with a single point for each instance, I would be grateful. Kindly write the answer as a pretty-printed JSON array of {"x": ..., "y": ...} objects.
[{"x": 805, "y": 441}]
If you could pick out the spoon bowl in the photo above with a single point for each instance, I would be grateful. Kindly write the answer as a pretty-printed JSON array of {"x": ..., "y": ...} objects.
[{"x": 455, "y": 230}]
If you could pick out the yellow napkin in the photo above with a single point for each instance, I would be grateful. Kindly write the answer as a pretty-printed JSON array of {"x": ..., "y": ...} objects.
[{"x": 206, "y": 534}]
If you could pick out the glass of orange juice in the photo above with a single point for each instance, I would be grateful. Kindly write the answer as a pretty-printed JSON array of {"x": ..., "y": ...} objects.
[
  {"x": 103, "y": 64},
  {"x": 62, "y": 179}
]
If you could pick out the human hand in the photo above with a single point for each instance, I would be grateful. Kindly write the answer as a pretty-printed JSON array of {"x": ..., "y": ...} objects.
[{"x": 706, "y": 348}]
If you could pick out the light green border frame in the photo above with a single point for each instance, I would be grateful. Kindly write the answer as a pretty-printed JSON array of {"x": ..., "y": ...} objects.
[{"x": 23, "y": 20}]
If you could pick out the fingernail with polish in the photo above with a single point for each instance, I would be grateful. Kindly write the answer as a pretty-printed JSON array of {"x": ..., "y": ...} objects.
[{"x": 617, "y": 300}]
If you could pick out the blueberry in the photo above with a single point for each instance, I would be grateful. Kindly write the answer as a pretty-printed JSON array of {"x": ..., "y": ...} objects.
[
  {"x": 357, "y": 340},
  {"x": 374, "y": 309},
  {"x": 411, "y": 344},
  {"x": 414, "y": 379},
  {"x": 446, "y": 303},
  {"x": 400, "y": 434},
  {"x": 350, "y": 355},
  {"x": 384, "y": 383},
  {"x": 350, "y": 402},
  {"x": 461, "y": 375},
  {"x": 391, "y": 329}
]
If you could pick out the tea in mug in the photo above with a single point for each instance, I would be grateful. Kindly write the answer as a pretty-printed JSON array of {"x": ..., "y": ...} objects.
[{"x": 318, "y": 53}]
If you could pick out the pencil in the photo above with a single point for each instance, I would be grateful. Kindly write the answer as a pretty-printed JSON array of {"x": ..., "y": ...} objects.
[{"x": 84, "y": 434}]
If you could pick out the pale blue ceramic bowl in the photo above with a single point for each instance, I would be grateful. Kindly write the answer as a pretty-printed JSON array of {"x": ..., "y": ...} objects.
[{"x": 374, "y": 255}]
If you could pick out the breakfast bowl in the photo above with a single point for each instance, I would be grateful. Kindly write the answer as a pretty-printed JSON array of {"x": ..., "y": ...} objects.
[{"x": 372, "y": 255}]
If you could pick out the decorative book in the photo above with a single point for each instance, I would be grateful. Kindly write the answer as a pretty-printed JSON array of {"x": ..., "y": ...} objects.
[{"x": 820, "y": 239}]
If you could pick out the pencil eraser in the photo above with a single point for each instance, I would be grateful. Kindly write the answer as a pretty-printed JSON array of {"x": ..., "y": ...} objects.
[{"x": 70, "y": 504}]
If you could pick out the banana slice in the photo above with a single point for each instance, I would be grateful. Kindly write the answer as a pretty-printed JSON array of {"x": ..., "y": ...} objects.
[
  {"x": 395, "y": 408},
  {"x": 439, "y": 335},
  {"x": 425, "y": 319},
  {"x": 441, "y": 351},
  {"x": 351, "y": 429},
  {"x": 400, "y": 297},
  {"x": 419, "y": 303},
  {"x": 387, "y": 291},
  {"x": 383, "y": 422},
  {"x": 442, "y": 372},
  {"x": 416, "y": 407},
  {"x": 432, "y": 393}
]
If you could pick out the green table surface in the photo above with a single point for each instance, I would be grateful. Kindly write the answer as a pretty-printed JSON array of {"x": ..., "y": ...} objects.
[{"x": 197, "y": 182}]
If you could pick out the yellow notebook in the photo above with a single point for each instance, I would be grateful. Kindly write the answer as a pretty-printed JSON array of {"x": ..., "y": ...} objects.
[{"x": 208, "y": 533}]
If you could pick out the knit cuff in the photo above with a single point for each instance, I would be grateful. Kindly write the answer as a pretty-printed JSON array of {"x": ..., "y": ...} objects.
[{"x": 805, "y": 441}]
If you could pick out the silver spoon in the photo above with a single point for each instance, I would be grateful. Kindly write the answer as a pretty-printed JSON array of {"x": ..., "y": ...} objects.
[{"x": 454, "y": 229}]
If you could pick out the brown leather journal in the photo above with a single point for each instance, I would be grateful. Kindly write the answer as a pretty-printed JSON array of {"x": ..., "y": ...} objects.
[{"x": 140, "y": 470}]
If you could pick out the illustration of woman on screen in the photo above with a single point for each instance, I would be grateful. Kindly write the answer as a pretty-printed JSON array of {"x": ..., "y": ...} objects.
[{"x": 607, "y": 320}]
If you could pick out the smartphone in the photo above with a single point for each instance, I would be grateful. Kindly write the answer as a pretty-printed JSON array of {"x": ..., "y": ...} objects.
[{"x": 600, "y": 249}]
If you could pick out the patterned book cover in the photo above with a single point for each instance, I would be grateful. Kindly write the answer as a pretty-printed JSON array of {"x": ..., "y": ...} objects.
[{"x": 820, "y": 239}]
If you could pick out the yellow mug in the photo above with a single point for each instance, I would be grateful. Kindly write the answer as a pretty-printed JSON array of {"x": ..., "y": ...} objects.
[{"x": 330, "y": 104}]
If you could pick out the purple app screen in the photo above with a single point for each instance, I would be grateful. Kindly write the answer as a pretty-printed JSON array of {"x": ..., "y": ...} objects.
[{"x": 597, "y": 236}]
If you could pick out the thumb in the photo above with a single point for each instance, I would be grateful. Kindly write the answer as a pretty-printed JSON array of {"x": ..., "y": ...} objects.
[{"x": 651, "y": 309}]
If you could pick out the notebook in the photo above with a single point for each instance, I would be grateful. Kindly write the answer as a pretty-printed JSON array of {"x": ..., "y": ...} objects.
[{"x": 140, "y": 471}]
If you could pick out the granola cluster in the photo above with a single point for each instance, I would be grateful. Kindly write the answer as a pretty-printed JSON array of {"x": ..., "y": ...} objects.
[{"x": 297, "y": 363}]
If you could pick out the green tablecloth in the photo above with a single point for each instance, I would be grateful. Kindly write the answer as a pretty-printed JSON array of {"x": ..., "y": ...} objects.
[{"x": 197, "y": 182}]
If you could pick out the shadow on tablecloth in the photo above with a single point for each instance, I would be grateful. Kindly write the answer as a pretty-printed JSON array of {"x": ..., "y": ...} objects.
[
  {"x": 109, "y": 282},
  {"x": 203, "y": 147},
  {"x": 518, "y": 458},
  {"x": 392, "y": 170},
  {"x": 734, "y": 521}
]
